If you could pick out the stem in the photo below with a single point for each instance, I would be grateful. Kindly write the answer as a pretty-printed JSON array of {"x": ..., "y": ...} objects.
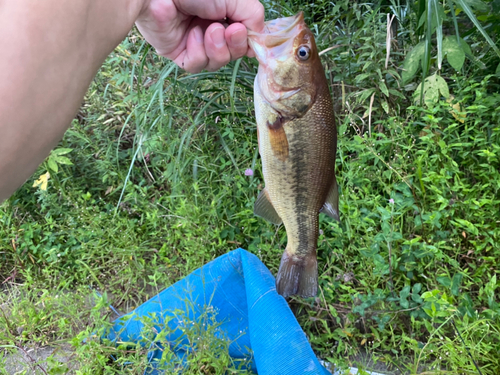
[
  {"x": 390, "y": 254},
  {"x": 390, "y": 270}
]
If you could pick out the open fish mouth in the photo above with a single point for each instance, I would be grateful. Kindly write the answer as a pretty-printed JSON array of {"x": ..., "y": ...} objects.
[
  {"x": 282, "y": 25},
  {"x": 276, "y": 33}
]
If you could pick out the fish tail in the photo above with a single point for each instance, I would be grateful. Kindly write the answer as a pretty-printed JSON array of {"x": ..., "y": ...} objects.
[{"x": 298, "y": 275}]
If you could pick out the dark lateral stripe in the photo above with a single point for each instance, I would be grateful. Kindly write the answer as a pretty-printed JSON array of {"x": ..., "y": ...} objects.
[{"x": 308, "y": 228}]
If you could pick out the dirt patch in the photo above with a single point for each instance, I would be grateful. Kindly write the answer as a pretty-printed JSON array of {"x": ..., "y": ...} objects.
[{"x": 34, "y": 361}]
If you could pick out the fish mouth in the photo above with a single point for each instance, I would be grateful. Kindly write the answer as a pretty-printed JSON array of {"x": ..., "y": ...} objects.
[
  {"x": 281, "y": 25},
  {"x": 276, "y": 33}
]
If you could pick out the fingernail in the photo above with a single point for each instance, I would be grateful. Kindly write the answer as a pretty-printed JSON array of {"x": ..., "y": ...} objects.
[
  {"x": 198, "y": 34},
  {"x": 239, "y": 37},
  {"x": 217, "y": 35}
]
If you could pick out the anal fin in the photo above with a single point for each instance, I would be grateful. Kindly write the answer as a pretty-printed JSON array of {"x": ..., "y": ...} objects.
[
  {"x": 331, "y": 206},
  {"x": 265, "y": 209}
]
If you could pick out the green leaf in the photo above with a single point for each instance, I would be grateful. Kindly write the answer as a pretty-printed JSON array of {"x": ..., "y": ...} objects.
[
  {"x": 422, "y": 19},
  {"x": 471, "y": 227},
  {"x": 434, "y": 86},
  {"x": 412, "y": 62},
  {"x": 52, "y": 165},
  {"x": 417, "y": 288},
  {"x": 383, "y": 88},
  {"x": 430, "y": 94},
  {"x": 455, "y": 283},
  {"x": 454, "y": 52},
  {"x": 61, "y": 151},
  {"x": 55, "y": 367},
  {"x": 396, "y": 93},
  {"x": 63, "y": 160},
  {"x": 403, "y": 295},
  {"x": 430, "y": 294},
  {"x": 497, "y": 72},
  {"x": 442, "y": 86},
  {"x": 361, "y": 77},
  {"x": 465, "y": 47},
  {"x": 444, "y": 280},
  {"x": 385, "y": 106},
  {"x": 385, "y": 214},
  {"x": 365, "y": 94},
  {"x": 419, "y": 173}
]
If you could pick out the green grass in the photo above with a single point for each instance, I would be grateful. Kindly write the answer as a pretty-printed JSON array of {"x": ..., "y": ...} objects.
[{"x": 156, "y": 188}]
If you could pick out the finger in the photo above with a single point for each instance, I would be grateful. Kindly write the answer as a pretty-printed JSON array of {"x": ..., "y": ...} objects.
[
  {"x": 193, "y": 59},
  {"x": 216, "y": 47},
  {"x": 163, "y": 27},
  {"x": 248, "y": 12},
  {"x": 237, "y": 40}
]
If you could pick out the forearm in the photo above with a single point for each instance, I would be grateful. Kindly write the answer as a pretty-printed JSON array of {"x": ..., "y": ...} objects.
[{"x": 52, "y": 49}]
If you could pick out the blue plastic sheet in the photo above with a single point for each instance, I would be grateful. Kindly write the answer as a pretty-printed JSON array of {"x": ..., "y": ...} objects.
[{"x": 253, "y": 316}]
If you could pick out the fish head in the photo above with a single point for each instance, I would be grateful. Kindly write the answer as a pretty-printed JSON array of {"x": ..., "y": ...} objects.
[{"x": 289, "y": 65}]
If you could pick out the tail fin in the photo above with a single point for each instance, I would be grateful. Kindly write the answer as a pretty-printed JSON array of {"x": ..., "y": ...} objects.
[{"x": 298, "y": 275}]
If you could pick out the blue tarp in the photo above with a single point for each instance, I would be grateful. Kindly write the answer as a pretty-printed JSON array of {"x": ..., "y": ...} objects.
[{"x": 253, "y": 316}]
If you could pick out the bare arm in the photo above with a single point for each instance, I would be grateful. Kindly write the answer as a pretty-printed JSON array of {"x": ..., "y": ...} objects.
[
  {"x": 52, "y": 49},
  {"x": 43, "y": 76}
]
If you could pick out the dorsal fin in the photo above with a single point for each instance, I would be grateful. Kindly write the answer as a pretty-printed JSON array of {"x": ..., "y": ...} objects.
[
  {"x": 265, "y": 209},
  {"x": 331, "y": 206}
]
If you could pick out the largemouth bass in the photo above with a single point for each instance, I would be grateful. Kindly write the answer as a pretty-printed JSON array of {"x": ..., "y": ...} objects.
[{"x": 297, "y": 145}]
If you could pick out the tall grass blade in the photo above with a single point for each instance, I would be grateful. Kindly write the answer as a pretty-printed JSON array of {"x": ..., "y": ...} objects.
[
  {"x": 167, "y": 70},
  {"x": 186, "y": 137},
  {"x": 473, "y": 18},
  {"x": 159, "y": 85},
  {"x": 105, "y": 92},
  {"x": 427, "y": 52},
  {"x": 142, "y": 139},
  {"x": 135, "y": 111},
  {"x": 439, "y": 35},
  {"x": 233, "y": 79},
  {"x": 421, "y": 9},
  {"x": 160, "y": 96},
  {"x": 233, "y": 82},
  {"x": 132, "y": 73},
  {"x": 455, "y": 23},
  {"x": 228, "y": 151},
  {"x": 202, "y": 111}
]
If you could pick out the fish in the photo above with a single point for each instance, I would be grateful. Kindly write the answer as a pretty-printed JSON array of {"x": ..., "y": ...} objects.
[{"x": 297, "y": 143}]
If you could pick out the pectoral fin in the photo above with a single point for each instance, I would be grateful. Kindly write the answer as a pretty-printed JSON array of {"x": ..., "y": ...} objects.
[
  {"x": 277, "y": 138},
  {"x": 265, "y": 209},
  {"x": 331, "y": 206}
]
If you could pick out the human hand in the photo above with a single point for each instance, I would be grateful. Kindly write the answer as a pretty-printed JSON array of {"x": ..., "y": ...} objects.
[{"x": 192, "y": 33}]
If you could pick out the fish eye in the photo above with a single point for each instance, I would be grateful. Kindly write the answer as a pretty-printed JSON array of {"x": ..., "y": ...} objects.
[{"x": 303, "y": 53}]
